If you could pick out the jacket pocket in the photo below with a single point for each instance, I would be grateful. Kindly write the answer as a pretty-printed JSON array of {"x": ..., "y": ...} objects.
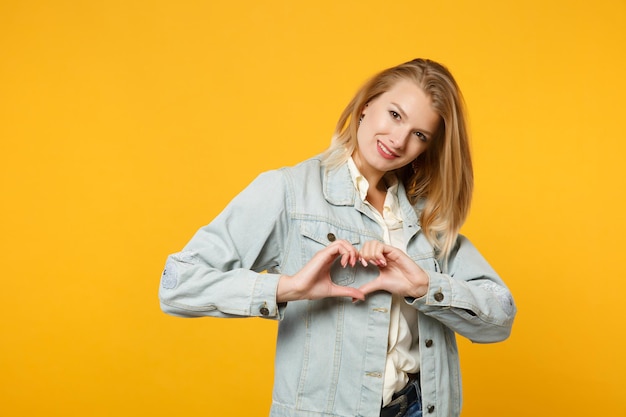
[
  {"x": 427, "y": 261},
  {"x": 316, "y": 235}
]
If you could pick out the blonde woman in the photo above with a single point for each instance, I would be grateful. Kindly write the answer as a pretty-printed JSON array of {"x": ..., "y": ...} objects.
[{"x": 357, "y": 254}]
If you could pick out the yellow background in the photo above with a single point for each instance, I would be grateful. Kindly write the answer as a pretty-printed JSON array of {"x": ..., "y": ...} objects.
[{"x": 126, "y": 125}]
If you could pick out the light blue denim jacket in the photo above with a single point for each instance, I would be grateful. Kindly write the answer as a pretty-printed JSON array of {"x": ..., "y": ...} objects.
[{"x": 330, "y": 353}]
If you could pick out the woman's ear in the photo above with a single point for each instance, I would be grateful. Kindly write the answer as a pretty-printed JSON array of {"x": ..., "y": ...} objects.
[{"x": 363, "y": 111}]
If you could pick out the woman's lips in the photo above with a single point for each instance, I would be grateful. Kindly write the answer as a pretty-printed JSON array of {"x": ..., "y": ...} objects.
[{"x": 385, "y": 152}]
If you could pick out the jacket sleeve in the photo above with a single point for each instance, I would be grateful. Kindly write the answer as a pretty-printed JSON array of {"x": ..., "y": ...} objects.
[
  {"x": 469, "y": 298},
  {"x": 226, "y": 270}
]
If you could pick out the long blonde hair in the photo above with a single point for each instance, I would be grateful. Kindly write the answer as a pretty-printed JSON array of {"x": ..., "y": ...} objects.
[{"x": 441, "y": 178}]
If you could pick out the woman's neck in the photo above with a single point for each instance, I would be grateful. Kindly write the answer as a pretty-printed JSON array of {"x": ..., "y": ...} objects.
[
  {"x": 376, "y": 197},
  {"x": 374, "y": 178},
  {"x": 377, "y": 188}
]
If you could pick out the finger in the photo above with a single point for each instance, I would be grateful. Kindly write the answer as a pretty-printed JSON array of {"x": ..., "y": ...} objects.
[
  {"x": 340, "y": 291},
  {"x": 345, "y": 259},
  {"x": 341, "y": 246},
  {"x": 336, "y": 249},
  {"x": 365, "y": 261},
  {"x": 372, "y": 261},
  {"x": 348, "y": 252},
  {"x": 392, "y": 253},
  {"x": 371, "y": 287},
  {"x": 353, "y": 257},
  {"x": 373, "y": 252},
  {"x": 368, "y": 249}
]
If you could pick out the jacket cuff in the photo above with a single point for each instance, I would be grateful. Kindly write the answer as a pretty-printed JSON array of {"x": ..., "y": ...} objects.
[
  {"x": 263, "y": 302},
  {"x": 439, "y": 292}
]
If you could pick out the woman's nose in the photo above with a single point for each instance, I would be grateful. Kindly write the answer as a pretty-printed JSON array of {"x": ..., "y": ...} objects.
[{"x": 399, "y": 137}]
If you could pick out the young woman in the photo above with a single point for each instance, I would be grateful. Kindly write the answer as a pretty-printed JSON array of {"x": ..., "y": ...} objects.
[{"x": 357, "y": 254}]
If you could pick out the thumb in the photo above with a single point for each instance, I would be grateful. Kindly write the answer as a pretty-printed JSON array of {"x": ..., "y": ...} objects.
[
  {"x": 354, "y": 293},
  {"x": 371, "y": 287}
]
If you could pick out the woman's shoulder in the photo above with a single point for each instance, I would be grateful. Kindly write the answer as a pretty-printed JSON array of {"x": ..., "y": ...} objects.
[
  {"x": 304, "y": 170},
  {"x": 311, "y": 164},
  {"x": 307, "y": 172}
]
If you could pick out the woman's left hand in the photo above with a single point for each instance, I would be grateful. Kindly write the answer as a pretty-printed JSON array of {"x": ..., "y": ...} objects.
[{"x": 399, "y": 274}]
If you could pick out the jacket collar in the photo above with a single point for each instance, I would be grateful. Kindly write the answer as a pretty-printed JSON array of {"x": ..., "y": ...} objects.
[
  {"x": 338, "y": 187},
  {"x": 339, "y": 190}
]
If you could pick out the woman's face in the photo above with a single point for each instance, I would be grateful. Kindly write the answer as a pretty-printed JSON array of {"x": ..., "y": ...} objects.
[{"x": 396, "y": 128}]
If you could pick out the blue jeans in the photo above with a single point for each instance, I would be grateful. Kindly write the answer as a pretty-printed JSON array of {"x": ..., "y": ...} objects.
[{"x": 414, "y": 408}]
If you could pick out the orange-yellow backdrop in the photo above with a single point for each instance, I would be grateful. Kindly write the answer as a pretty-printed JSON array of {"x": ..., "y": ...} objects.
[{"x": 126, "y": 125}]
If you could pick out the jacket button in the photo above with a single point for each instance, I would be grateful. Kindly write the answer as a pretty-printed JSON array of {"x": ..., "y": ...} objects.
[
  {"x": 429, "y": 343},
  {"x": 331, "y": 237},
  {"x": 439, "y": 296},
  {"x": 431, "y": 409},
  {"x": 264, "y": 311}
]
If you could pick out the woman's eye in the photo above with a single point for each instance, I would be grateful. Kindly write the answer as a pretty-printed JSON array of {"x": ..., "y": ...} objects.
[
  {"x": 421, "y": 136},
  {"x": 394, "y": 114}
]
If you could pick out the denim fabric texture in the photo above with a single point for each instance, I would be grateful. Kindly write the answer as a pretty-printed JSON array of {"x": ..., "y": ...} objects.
[
  {"x": 415, "y": 410},
  {"x": 330, "y": 353}
]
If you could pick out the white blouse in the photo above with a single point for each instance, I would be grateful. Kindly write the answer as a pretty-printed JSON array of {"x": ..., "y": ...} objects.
[{"x": 402, "y": 353}]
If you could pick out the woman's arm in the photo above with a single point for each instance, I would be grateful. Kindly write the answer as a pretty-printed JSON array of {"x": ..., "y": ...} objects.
[
  {"x": 469, "y": 298},
  {"x": 221, "y": 271}
]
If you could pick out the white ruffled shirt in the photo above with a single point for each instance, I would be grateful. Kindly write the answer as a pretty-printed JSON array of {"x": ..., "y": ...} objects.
[{"x": 402, "y": 353}]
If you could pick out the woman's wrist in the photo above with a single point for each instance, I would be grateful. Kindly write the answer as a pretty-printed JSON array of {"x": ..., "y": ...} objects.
[
  {"x": 285, "y": 291},
  {"x": 420, "y": 285}
]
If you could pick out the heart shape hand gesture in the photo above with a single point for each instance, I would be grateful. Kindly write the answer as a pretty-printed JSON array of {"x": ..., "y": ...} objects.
[{"x": 399, "y": 274}]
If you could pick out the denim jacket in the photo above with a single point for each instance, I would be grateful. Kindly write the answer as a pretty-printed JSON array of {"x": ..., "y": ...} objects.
[{"x": 330, "y": 353}]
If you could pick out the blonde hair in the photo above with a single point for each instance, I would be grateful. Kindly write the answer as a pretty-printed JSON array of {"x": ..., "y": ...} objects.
[{"x": 441, "y": 178}]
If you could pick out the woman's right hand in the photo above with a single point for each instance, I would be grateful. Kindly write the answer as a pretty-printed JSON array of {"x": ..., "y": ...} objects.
[{"x": 313, "y": 281}]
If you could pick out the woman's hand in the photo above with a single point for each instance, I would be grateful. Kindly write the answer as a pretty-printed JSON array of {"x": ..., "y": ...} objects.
[
  {"x": 313, "y": 281},
  {"x": 399, "y": 274}
]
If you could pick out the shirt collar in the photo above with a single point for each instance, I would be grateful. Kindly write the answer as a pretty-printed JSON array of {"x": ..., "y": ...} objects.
[
  {"x": 339, "y": 190},
  {"x": 360, "y": 183},
  {"x": 391, "y": 206}
]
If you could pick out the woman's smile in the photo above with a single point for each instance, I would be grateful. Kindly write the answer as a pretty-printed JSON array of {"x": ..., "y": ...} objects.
[
  {"x": 395, "y": 128},
  {"x": 385, "y": 152}
]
